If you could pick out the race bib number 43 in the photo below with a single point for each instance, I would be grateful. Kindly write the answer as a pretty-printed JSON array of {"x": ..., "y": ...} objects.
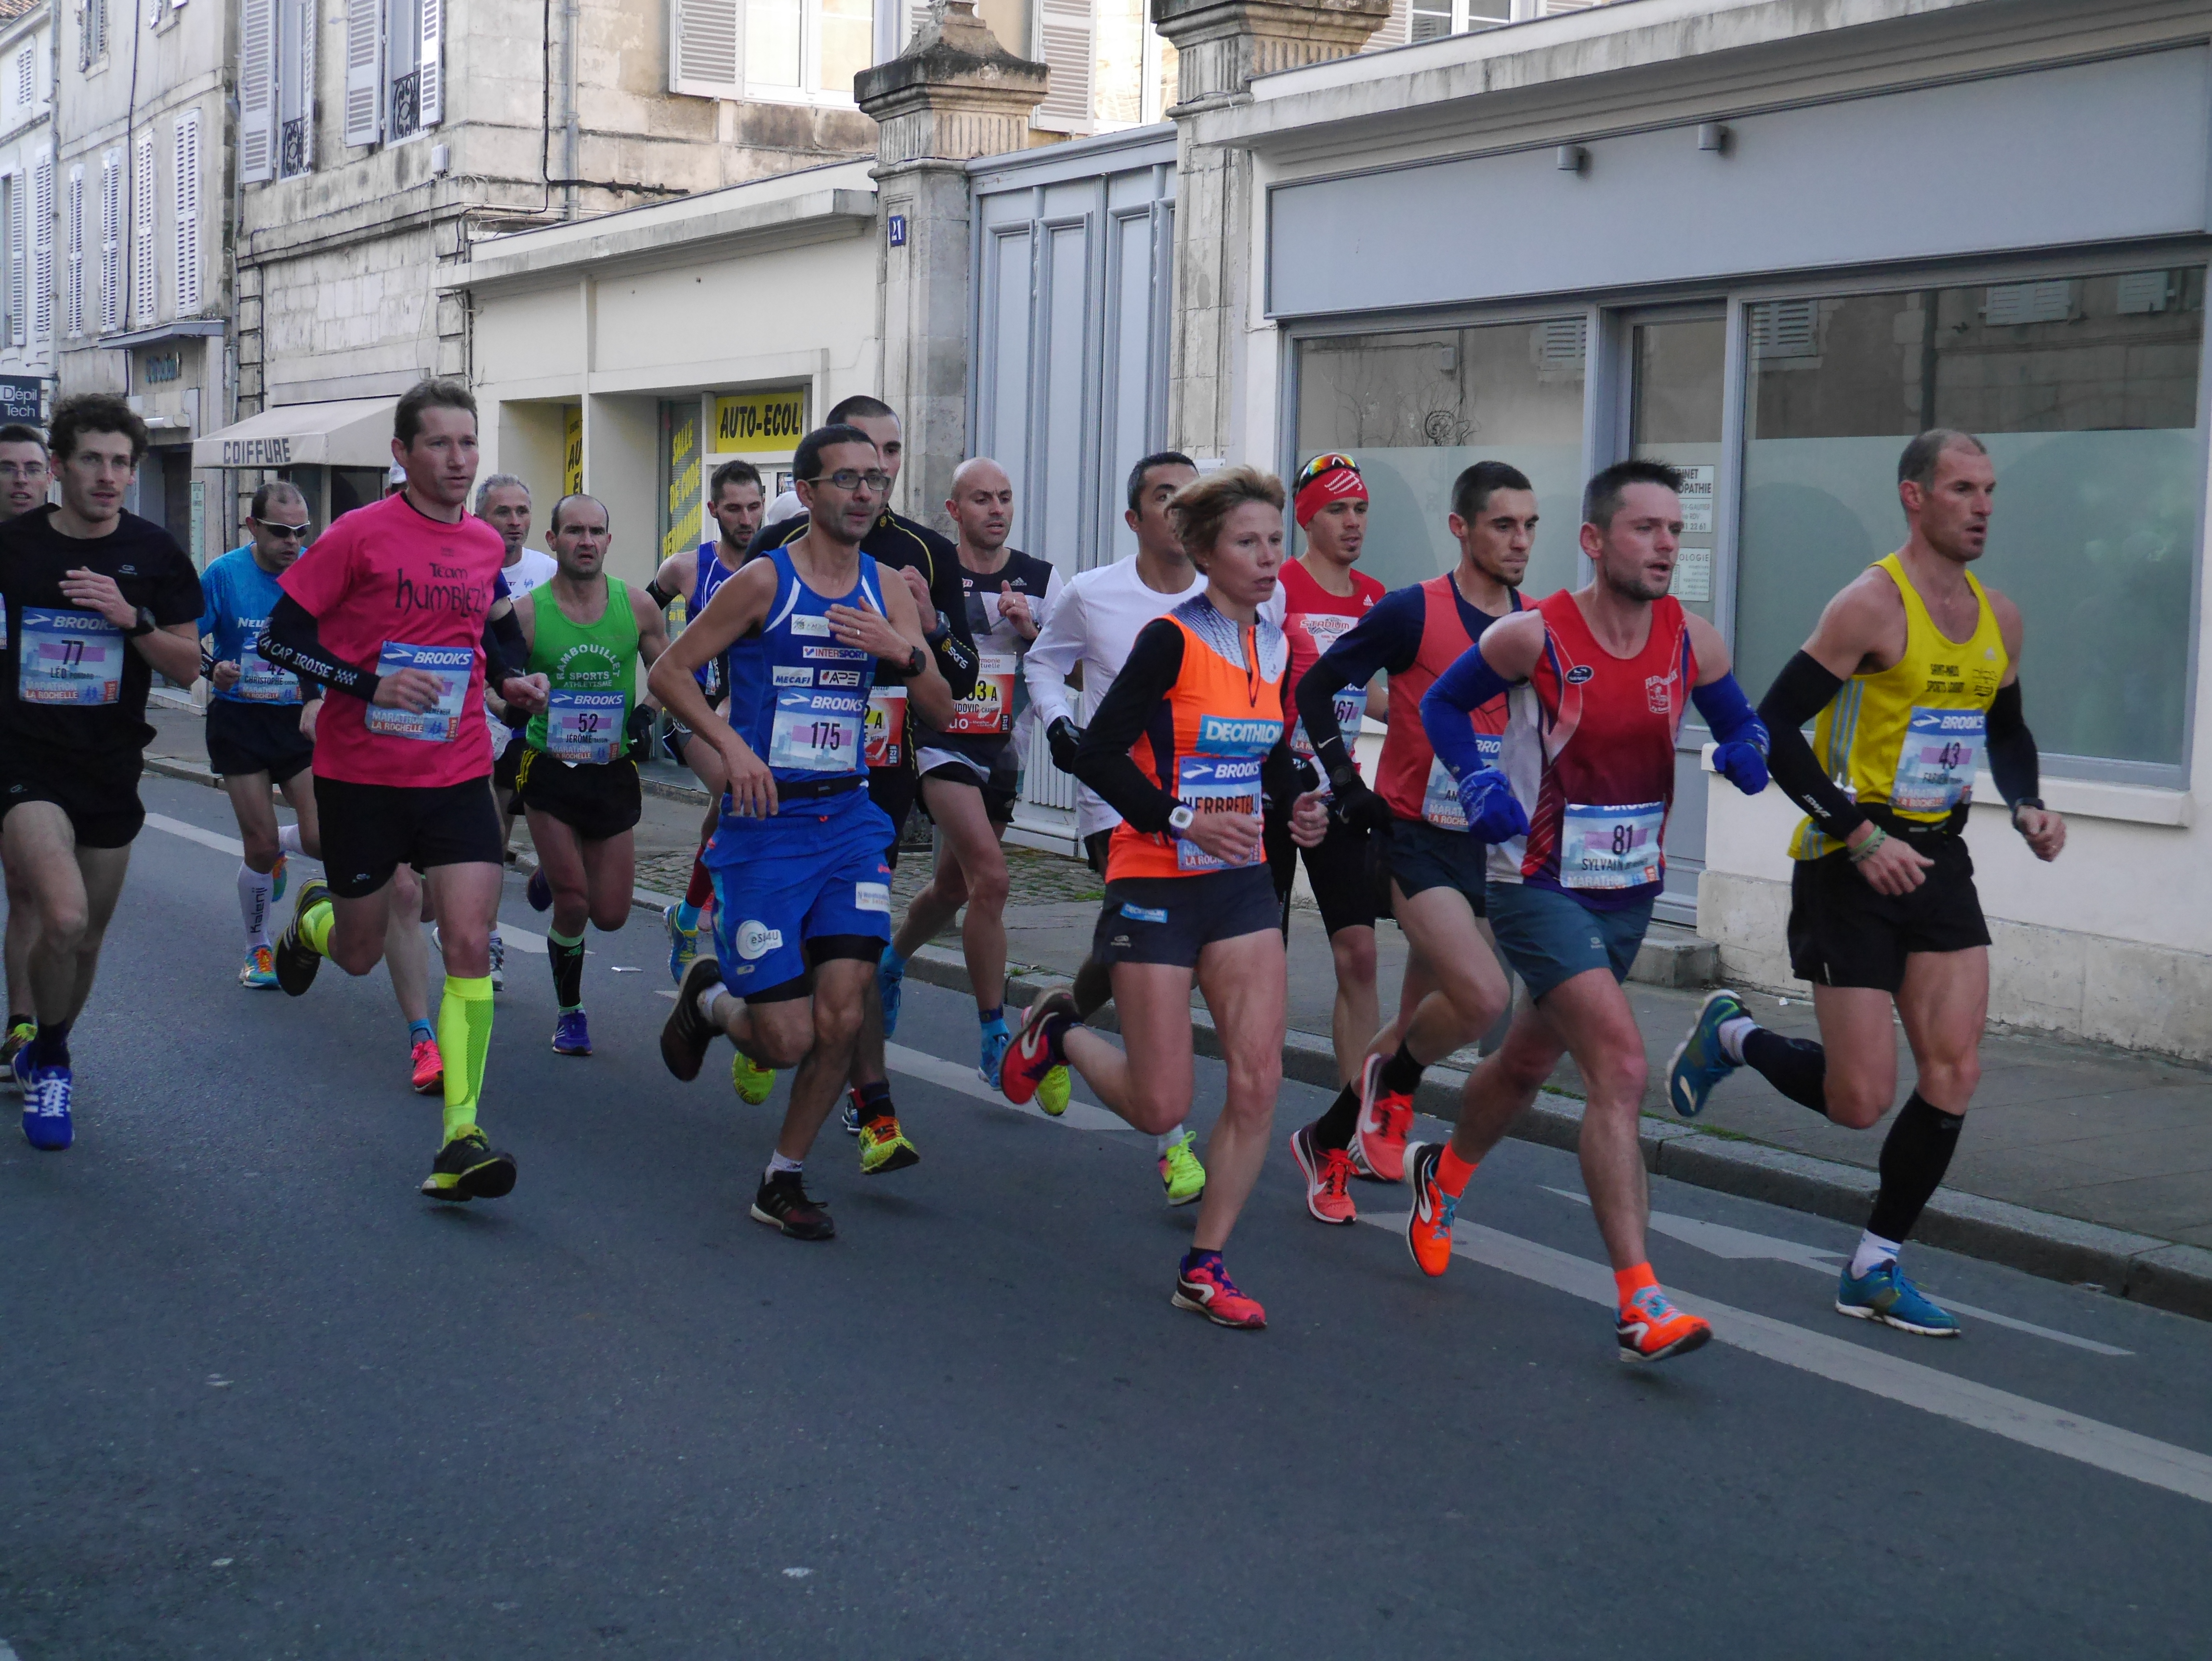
[
  {"x": 441, "y": 722},
  {"x": 1936, "y": 763},
  {"x": 69, "y": 657}
]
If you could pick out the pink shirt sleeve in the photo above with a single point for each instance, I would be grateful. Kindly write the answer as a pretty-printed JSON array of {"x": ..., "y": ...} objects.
[{"x": 322, "y": 576}]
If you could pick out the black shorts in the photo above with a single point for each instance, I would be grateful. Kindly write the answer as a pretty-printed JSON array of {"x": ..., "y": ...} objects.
[
  {"x": 1843, "y": 933},
  {"x": 507, "y": 769},
  {"x": 98, "y": 793},
  {"x": 1339, "y": 868},
  {"x": 1419, "y": 855},
  {"x": 893, "y": 789},
  {"x": 1000, "y": 779},
  {"x": 370, "y": 830},
  {"x": 596, "y": 801},
  {"x": 257, "y": 738},
  {"x": 1173, "y": 918}
]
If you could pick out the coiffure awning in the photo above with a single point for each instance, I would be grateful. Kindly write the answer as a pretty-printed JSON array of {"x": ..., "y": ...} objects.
[{"x": 354, "y": 432}]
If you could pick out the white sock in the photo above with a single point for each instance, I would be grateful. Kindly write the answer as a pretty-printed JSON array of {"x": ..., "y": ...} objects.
[
  {"x": 1873, "y": 1252},
  {"x": 708, "y": 997},
  {"x": 777, "y": 1165},
  {"x": 1172, "y": 1138},
  {"x": 1732, "y": 1035},
  {"x": 287, "y": 838},
  {"x": 254, "y": 888}
]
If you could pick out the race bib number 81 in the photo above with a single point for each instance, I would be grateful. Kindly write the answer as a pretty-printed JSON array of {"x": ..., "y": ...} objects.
[{"x": 1611, "y": 846}]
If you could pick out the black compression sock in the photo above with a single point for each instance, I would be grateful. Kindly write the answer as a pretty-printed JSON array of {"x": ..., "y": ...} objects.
[
  {"x": 566, "y": 959},
  {"x": 1093, "y": 990},
  {"x": 1797, "y": 1068},
  {"x": 876, "y": 1102},
  {"x": 1401, "y": 1073},
  {"x": 51, "y": 1047},
  {"x": 1334, "y": 1128},
  {"x": 16, "y": 1020},
  {"x": 1914, "y": 1157}
]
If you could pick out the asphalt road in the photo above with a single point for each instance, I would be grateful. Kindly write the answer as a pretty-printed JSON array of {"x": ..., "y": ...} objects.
[{"x": 261, "y": 1399}]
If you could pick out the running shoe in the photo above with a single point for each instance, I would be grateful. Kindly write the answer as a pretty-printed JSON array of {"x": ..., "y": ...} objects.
[
  {"x": 850, "y": 1117},
  {"x": 47, "y": 1109},
  {"x": 277, "y": 873},
  {"x": 1328, "y": 1178},
  {"x": 571, "y": 1036},
  {"x": 468, "y": 1167},
  {"x": 1031, "y": 1057},
  {"x": 992, "y": 1055},
  {"x": 1180, "y": 1173},
  {"x": 1206, "y": 1287},
  {"x": 429, "y": 1067},
  {"x": 498, "y": 962},
  {"x": 1386, "y": 1117},
  {"x": 685, "y": 1038},
  {"x": 1054, "y": 1090},
  {"x": 1652, "y": 1329},
  {"x": 890, "y": 987},
  {"x": 1428, "y": 1224},
  {"x": 754, "y": 1083},
  {"x": 296, "y": 960},
  {"x": 1698, "y": 1061},
  {"x": 884, "y": 1148},
  {"x": 1883, "y": 1294},
  {"x": 782, "y": 1202},
  {"x": 682, "y": 943},
  {"x": 260, "y": 971},
  {"x": 539, "y": 891},
  {"x": 14, "y": 1061}
]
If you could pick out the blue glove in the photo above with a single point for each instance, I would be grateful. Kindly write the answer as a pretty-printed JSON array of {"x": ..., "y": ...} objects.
[
  {"x": 1492, "y": 814},
  {"x": 1741, "y": 766}
]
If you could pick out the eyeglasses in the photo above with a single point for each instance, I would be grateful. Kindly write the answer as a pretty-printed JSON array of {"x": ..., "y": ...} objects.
[
  {"x": 847, "y": 478},
  {"x": 296, "y": 531},
  {"x": 28, "y": 470}
]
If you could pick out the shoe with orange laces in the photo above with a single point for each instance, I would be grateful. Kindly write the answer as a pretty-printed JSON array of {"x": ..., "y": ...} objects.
[
  {"x": 1036, "y": 1049},
  {"x": 1386, "y": 1118},
  {"x": 1328, "y": 1178},
  {"x": 1203, "y": 1284},
  {"x": 1428, "y": 1224},
  {"x": 1650, "y": 1329},
  {"x": 429, "y": 1075}
]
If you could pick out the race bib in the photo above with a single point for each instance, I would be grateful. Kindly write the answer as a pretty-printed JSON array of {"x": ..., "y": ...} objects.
[
  {"x": 441, "y": 722},
  {"x": 260, "y": 681},
  {"x": 69, "y": 657},
  {"x": 1350, "y": 704},
  {"x": 1611, "y": 846},
  {"x": 1440, "y": 799},
  {"x": 886, "y": 725},
  {"x": 1936, "y": 762},
  {"x": 990, "y": 713},
  {"x": 815, "y": 732},
  {"x": 584, "y": 728},
  {"x": 1217, "y": 784}
]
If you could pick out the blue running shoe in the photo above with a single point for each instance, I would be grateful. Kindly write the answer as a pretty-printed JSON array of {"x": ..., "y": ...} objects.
[
  {"x": 1699, "y": 1062},
  {"x": 850, "y": 1117},
  {"x": 47, "y": 1109},
  {"x": 1883, "y": 1294},
  {"x": 570, "y": 1035},
  {"x": 539, "y": 891},
  {"x": 890, "y": 983},
  {"x": 682, "y": 943},
  {"x": 996, "y": 1041}
]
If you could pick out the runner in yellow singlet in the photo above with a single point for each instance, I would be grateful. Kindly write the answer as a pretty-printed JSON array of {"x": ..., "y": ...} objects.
[{"x": 1914, "y": 673}]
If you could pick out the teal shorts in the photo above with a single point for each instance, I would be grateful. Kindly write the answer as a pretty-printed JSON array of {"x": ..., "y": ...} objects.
[{"x": 1550, "y": 937}]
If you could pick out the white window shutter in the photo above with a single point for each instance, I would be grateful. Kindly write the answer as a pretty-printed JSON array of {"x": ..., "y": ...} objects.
[
  {"x": 257, "y": 91},
  {"x": 364, "y": 72},
  {"x": 111, "y": 241},
  {"x": 144, "y": 298},
  {"x": 430, "y": 77},
  {"x": 188, "y": 213},
  {"x": 27, "y": 78},
  {"x": 1396, "y": 30},
  {"x": 1064, "y": 28},
  {"x": 705, "y": 46},
  {"x": 42, "y": 247},
  {"x": 73, "y": 255},
  {"x": 19, "y": 225},
  {"x": 305, "y": 68}
]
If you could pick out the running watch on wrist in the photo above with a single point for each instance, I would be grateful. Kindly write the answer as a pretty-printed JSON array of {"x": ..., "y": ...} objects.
[
  {"x": 1180, "y": 818},
  {"x": 916, "y": 661},
  {"x": 2036, "y": 802},
  {"x": 145, "y": 625}
]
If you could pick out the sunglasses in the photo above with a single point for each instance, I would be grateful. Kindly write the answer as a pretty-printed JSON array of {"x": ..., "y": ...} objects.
[
  {"x": 1327, "y": 464},
  {"x": 295, "y": 532}
]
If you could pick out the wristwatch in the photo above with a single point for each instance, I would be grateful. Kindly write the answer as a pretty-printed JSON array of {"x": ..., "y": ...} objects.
[
  {"x": 145, "y": 625},
  {"x": 916, "y": 661},
  {"x": 2036, "y": 802},
  {"x": 1180, "y": 818}
]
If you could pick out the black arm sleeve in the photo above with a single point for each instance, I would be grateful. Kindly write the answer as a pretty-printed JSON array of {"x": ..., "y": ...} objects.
[
  {"x": 1799, "y": 693},
  {"x": 657, "y": 595},
  {"x": 1103, "y": 760},
  {"x": 956, "y": 652},
  {"x": 1285, "y": 776},
  {"x": 507, "y": 654},
  {"x": 2012, "y": 762},
  {"x": 293, "y": 640},
  {"x": 1385, "y": 641}
]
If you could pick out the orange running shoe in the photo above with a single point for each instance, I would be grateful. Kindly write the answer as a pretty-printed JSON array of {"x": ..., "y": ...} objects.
[
  {"x": 1428, "y": 1224},
  {"x": 1203, "y": 1284},
  {"x": 1652, "y": 1329},
  {"x": 429, "y": 1068},
  {"x": 1386, "y": 1118},
  {"x": 1328, "y": 1178}
]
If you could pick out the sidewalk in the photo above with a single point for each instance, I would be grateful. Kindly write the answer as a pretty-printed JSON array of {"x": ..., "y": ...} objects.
[{"x": 2118, "y": 1141}]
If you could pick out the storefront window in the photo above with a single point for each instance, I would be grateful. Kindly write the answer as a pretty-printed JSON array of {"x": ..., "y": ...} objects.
[
  {"x": 2085, "y": 391},
  {"x": 1416, "y": 409}
]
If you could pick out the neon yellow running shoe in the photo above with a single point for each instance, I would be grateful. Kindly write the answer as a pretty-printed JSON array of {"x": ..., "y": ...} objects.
[
  {"x": 753, "y": 1082},
  {"x": 1180, "y": 1173},
  {"x": 1053, "y": 1091},
  {"x": 884, "y": 1147}
]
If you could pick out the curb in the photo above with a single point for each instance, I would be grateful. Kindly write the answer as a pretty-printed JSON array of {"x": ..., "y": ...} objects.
[{"x": 2137, "y": 1267}]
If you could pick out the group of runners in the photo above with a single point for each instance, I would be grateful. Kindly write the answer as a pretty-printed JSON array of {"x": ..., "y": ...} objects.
[{"x": 415, "y": 675}]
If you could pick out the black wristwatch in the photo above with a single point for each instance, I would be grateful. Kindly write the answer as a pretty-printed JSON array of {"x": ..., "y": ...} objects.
[
  {"x": 2036, "y": 802},
  {"x": 145, "y": 625},
  {"x": 916, "y": 661}
]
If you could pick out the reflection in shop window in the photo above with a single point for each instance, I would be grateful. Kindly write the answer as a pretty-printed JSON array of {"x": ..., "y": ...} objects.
[
  {"x": 2085, "y": 389},
  {"x": 1415, "y": 408}
]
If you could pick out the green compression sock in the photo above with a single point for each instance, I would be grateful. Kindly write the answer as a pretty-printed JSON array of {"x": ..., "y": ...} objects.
[
  {"x": 463, "y": 1038},
  {"x": 315, "y": 925}
]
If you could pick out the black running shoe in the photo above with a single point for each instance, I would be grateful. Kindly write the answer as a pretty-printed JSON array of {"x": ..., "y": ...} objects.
[
  {"x": 296, "y": 960},
  {"x": 782, "y": 1203},
  {"x": 685, "y": 1039},
  {"x": 469, "y": 1168}
]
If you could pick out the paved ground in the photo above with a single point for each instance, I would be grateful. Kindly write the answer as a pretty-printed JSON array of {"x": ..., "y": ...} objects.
[{"x": 264, "y": 1400}]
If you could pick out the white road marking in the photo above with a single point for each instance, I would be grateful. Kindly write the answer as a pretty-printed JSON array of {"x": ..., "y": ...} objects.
[
  {"x": 1722, "y": 1241},
  {"x": 2070, "y": 1435}
]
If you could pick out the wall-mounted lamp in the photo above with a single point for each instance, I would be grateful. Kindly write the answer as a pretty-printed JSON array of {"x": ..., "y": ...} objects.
[
  {"x": 441, "y": 160},
  {"x": 1714, "y": 136},
  {"x": 1572, "y": 158}
]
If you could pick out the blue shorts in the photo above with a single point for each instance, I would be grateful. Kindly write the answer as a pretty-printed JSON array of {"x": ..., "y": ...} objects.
[
  {"x": 799, "y": 877},
  {"x": 1550, "y": 937}
]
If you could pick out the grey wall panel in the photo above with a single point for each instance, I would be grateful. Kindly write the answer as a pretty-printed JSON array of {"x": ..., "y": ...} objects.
[
  {"x": 1056, "y": 517},
  {"x": 2094, "y": 152}
]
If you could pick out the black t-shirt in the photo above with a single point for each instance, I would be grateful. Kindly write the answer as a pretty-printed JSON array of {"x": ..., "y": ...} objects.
[
  {"x": 1030, "y": 576},
  {"x": 68, "y": 647}
]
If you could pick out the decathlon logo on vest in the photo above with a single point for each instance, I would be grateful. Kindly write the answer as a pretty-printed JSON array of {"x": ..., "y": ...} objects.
[{"x": 1247, "y": 737}]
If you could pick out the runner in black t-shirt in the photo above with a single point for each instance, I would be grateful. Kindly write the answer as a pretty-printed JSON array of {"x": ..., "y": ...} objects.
[
  {"x": 97, "y": 599},
  {"x": 26, "y": 477}
]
